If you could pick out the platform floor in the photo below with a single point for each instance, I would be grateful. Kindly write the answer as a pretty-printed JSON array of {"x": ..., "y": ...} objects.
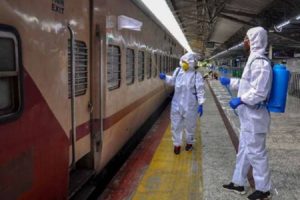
[
  {"x": 153, "y": 171},
  {"x": 283, "y": 144},
  {"x": 171, "y": 176}
]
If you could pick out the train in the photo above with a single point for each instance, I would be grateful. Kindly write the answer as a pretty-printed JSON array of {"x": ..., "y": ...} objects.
[{"x": 75, "y": 86}]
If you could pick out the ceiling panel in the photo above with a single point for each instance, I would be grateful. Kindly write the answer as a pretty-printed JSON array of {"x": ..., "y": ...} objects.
[{"x": 214, "y": 20}]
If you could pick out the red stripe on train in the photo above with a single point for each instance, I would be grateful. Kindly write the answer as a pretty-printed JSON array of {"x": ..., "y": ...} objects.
[{"x": 34, "y": 151}]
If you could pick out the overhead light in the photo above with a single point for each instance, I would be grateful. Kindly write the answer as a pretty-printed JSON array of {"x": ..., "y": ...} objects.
[
  {"x": 298, "y": 18},
  {"x": 283, "y": 24},
  {"x": 125, "y": 22},
  {"x": 279, "y": 27},
  {"x": 164, "y": 14}
]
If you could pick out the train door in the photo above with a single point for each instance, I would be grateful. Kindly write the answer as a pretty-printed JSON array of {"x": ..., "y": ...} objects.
[
  {"x": 80, "y": 101},
  {"x": 78, "y": 84},
  {"x": 98, "y": 35}
]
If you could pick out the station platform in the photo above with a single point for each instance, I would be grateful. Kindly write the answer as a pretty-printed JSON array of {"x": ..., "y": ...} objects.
[
  {"x": 153, "y": 171},
  {"x": 283, "y": 143}
]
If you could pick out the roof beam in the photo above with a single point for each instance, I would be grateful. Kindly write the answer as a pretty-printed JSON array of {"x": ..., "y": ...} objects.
[
  {"x": 291, "y": 3},
  {"x": 237, "y": 20},
  {"x": 285, "y": 37},
  {"x": 218, "y": 10},
  {"x": 193, "y": 23},
  {"x": 193, "y": 35},
  {"x": 189, "y": 18},
  {"x": 189, "y": 29},
  {"x": 240, "y": 13},
  {"x": 184, "y": 9}
]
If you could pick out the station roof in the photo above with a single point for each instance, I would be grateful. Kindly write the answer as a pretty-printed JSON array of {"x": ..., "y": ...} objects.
[{"x": 212, "y": 26}]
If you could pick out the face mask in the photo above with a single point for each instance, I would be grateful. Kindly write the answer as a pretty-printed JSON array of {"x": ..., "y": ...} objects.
[{"x": 185, "y": 65}]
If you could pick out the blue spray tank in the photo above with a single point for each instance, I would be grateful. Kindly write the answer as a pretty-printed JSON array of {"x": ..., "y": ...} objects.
[{"x": 277, "y": 99}]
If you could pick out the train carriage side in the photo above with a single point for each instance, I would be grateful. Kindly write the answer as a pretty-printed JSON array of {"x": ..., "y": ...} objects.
[
  {"x": 35, "y": 103},
  {"x": 116, "y": 89},
  {"x": 131, "y": 93}
]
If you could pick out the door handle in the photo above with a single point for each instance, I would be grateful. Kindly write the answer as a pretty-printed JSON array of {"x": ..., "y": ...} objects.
[{"x": 90, "y": 107}]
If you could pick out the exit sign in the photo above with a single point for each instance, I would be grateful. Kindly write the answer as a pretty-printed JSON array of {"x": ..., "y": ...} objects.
[{"x": 58, "y": 6}]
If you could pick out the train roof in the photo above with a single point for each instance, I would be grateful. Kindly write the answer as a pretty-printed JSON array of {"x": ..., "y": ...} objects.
[{"x": 212, "y": 26}]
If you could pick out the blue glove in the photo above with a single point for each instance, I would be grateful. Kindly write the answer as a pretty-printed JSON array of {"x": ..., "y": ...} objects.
[
  {"x": 162, "y": 76},
  {"x": 235, "y": 102},
  {"x": 200, "y": 110},
  {"x": 225, "y": 81}
]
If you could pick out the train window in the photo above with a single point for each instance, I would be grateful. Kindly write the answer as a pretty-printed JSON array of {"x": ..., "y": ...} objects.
[
  {"x": 168, "y": 64},
  {"x": 130, "y": 66},
  {"x": 174, "y": 64},
  {"x": 81, "y": 71},
  {"x": 165, "y": 65},
  {"x": 141, "y": 65},
  {"x": 10, "y": 82},
  {"x": 149, "y": 64},
  {"x": 160, "y": 63},
  {"x": 113, "y": 67},
  {"x": 155, "y": 66}
]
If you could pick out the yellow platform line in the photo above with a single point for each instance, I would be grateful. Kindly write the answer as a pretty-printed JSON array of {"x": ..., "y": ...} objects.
[{"x": 171, "y": 176}]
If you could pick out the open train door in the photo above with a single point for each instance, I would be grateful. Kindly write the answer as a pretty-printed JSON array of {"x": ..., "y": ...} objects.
[{"x": 81, "y": 163}]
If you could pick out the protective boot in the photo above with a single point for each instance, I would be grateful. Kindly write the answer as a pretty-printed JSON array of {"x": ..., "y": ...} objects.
[
  {"x": 189, "y": 147},
  {"x": 259, "y": 195},
  {"x": 177, "y": 150},
  {"x": 234, "y": 188}
]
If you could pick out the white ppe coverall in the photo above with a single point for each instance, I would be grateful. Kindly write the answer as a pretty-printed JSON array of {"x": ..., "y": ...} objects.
[
  {"x": 253, "y": 88},
  {"x": 188, "y": 95}
]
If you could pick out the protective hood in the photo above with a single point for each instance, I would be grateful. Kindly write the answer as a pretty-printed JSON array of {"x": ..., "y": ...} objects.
[
  {"x": 258, "y": 40},
  {"x": 190, "y": 58}
]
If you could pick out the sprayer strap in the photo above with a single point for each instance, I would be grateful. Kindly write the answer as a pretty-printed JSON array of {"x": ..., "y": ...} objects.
[
  {"x": 177, "y": 72},
  {"x": 260, "y": 58},
  {"x": 195, "y": 86},
  {"x": 263, "y": 103}
]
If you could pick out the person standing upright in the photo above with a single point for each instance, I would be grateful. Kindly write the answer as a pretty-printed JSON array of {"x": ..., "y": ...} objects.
[
  {"x": 254, "y": 87},
  {"x": 187, "y": 100}
]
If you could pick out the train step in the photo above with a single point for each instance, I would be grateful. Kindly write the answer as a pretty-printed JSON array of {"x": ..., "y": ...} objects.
[
  {"x": 84, "y": 193},
  {"x": 78, "y": 180}
]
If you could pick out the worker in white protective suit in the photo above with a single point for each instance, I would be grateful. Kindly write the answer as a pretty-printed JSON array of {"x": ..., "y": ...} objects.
[
  {"x": 187, "y": 100},
  {"x": 253, "y": 90}
]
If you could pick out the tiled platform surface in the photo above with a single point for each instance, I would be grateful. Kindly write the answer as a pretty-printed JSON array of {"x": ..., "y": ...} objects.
[
  {"x": 154, "y": 172},
  {"x": 283, "y": 145}
]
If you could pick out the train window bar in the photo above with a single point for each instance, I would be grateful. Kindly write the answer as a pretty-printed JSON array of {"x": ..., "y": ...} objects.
[
  {"x": 10, "y": 74},
  {"x": 164, "y": 64},
  {"x": 141, "y": 65},
  {"x": 113, "y": 67},
  {"x": 149, "y": 65},
  {"x": 155, "y": 66},
  {"x": 130, "y": 72},
  {"x": 159, "y": 63},
  {"x": 167, "y": 64},
  {"x": 172, "y": 64}
]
